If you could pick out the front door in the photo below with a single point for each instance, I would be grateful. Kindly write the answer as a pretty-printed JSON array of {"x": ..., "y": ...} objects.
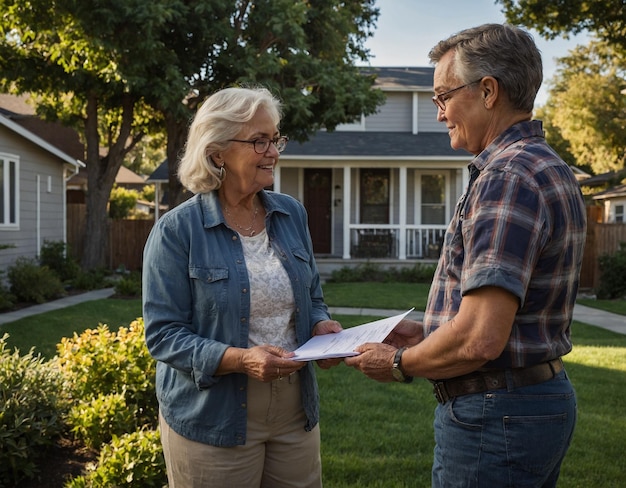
[{"x": 317, "y": 201}]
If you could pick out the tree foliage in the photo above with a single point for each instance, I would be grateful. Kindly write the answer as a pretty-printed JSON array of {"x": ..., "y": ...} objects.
[
  {"x": 587, "y": 107},
  {"x": 606, "y": 19},
  {"x": 120, "y": 69}
]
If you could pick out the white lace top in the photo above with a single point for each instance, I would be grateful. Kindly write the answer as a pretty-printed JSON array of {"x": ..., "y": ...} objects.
[{"x": 271, "y": 297}]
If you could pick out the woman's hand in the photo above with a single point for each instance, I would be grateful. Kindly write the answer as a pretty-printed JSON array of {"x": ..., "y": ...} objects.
[
  {"x": 268, "y": 363},
  {"x": 327, "y": 327}
]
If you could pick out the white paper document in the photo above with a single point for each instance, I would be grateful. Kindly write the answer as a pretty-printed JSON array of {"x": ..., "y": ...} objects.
[{"x": 342, "y": 344}]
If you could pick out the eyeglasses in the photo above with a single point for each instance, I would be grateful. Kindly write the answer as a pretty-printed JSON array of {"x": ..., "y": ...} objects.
[
  {"x": 441, "y": 99},
  {"x": 262, "y": 144}
]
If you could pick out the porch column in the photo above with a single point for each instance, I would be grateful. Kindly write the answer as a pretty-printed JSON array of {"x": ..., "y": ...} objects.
[
  {"x": 347, "y": 202},
  {"x": 402, "y": 214},
  {"x": 277, "y": 178}
]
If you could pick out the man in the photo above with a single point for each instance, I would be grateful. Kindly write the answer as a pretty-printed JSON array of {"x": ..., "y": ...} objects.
[{"x": 500, "y": 306}]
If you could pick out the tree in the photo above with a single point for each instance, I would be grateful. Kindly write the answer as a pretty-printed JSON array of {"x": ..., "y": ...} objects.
[
  {"x": 117, "y": 68},
  {"x": 73, "y": 60},
  {"x": 606, "y": 19},
  {"x": 304, "y": 51},
  {"x": 587, "y": 107}
]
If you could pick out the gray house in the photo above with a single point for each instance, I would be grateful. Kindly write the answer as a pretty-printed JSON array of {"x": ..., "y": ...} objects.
[
  {"x": 383, "y": 188},
  {"x": 33, "y": 177}
]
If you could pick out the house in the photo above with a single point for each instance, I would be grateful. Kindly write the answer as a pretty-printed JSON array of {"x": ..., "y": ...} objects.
[
  {"x": 34, "y": 175},
  {"x": 610, "y": 193},
  {"x": 382, "y": 188},
  {"x": 385, "y": 186},
  {"x": 613, "y": 201}
]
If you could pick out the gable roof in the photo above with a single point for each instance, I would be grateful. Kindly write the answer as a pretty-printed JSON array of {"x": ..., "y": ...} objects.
[
  {"x": 615, "y": 192},
  {"x": 402, "y": 78},
  {"x": 17, "y": 109},
  {"x": 18, "y": 129}
]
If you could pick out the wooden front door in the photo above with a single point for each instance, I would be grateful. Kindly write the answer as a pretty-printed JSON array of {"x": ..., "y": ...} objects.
[{"x": 317, "y": 201}]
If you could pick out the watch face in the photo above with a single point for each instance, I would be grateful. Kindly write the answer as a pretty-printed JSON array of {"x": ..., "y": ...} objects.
[{"x": 397, "y": 374}]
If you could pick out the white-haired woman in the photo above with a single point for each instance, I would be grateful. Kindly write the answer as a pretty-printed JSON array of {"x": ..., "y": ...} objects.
[{"x": 230, "y": 288}]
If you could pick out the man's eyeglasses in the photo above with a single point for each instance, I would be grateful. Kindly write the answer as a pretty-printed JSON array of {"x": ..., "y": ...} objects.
[
  {"x": 262, "y": 144},
  {"x": 441, "y": 99}
]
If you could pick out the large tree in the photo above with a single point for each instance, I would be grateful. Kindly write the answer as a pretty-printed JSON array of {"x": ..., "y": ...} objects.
[
  {"x": 100, "y": 65},
  {"x": 587, "y": 107},
  {"x": 605, "y": 19}
]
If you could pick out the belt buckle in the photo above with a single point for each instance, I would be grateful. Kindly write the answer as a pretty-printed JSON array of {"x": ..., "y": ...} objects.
[{"x": 440, "y": 392}]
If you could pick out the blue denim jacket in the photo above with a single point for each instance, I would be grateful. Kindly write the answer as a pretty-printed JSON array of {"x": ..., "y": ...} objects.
[{"x": 196, "y": 304}]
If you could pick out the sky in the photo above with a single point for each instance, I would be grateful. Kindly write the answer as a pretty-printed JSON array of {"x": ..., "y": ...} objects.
[{"x": 407, "y": 29}]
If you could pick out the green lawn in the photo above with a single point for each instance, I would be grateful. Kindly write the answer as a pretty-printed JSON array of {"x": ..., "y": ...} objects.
[{"x": 380, "y": 435}]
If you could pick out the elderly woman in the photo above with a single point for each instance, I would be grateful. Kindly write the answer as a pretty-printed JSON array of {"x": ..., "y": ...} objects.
[
  {"x": 500, "y": 307},
  {"x": 230, "y": 288}
]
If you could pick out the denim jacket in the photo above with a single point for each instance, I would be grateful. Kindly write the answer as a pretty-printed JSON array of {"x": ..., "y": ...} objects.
[{"x": 196, "y": 304}]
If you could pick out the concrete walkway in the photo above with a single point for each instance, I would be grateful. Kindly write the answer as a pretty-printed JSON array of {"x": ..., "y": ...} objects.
[
  {"x": 5, "y": 318},
  {"x": 587, "y": 315}
]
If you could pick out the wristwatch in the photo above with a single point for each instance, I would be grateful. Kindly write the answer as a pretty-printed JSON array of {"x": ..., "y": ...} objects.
[{"x": 396, "y": 370}]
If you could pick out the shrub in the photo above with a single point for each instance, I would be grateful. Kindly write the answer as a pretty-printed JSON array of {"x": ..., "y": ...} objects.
[
  {"x": 33, "y": 283},
  {"x": 95, "y": 421},
  {"x": 93, "y": 279},
  {"x": 368, "y": 272},
  {"x": 99, "y": 363},
  {"x": 55, "y": 256},
  {"x": 129, "y": 286},
  {"x": 7, "y": 299},
  {"x": 134, "y": 459},
  {"x": 30, "y": 414},
  {"x": 121, "y": 202},
  {"x": 613, "y": 274}
]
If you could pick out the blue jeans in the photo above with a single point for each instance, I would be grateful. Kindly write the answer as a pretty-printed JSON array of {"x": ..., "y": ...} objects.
[{"x": 505, "y": 439}]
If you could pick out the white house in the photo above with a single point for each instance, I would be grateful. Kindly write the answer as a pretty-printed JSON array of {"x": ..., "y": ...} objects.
[{"x": 614, "y": 204}]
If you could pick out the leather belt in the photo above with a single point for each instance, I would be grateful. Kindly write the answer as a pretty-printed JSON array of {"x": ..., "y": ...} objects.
[{"x": 481, "y": 381}]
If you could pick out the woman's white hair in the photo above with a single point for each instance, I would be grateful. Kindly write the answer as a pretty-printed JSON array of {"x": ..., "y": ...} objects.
[{"x": 220, "y": 118}]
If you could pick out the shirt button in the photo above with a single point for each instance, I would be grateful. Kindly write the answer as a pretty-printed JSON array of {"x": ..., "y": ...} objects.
[
  {"x": 243, "y": 320},
  {"x": 245, "y": 290},
  {"x": 243, "y": 405},
  {"x": 234, "y": 238}
]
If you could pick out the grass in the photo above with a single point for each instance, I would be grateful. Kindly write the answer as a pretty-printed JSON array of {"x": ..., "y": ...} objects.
[
  {"x": 45, "y": 331},
  {"x": 380, "y": 435}
]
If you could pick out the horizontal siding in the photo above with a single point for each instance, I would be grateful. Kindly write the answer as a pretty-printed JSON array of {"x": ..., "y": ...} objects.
[
  {"x": 395, "y": 116},
  {"x": 427, "y": 115},
  {"x": 34, "y": 162}
]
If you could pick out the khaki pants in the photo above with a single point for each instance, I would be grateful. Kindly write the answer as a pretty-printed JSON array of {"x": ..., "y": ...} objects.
[{"x": 278, "y": 452}]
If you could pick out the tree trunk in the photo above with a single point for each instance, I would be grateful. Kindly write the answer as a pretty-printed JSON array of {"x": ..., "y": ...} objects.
[
  {"x": 101, "y": 173},
  {"x": 176, "y": 138}
]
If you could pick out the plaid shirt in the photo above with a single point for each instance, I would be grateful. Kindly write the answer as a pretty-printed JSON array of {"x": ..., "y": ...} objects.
[{"x": 521, "y": 226}]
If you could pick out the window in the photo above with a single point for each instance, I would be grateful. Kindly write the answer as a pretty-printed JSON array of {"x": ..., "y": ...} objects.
[
  {"x": 619, "y": 213},
  {"x": 8, "y": 191},
  {"x": 433, "y": 199},
  {"x": 375, "y": 196}
]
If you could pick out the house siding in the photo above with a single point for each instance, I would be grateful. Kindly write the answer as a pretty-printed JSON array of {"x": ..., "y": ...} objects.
[
  {"x": 32, "y": 231},
  {"x": 395, "y": 116}
]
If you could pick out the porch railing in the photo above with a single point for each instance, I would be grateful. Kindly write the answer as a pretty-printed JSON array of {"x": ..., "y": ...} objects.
[{"x": 396, "y": 242}]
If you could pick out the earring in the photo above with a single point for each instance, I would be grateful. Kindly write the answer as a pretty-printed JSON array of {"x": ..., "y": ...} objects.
[{"x": 222, "y": 173}]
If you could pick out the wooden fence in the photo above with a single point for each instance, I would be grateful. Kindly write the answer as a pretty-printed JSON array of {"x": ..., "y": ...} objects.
[
  {"x": 126, "y": 238},
  {"x": 601, "y": 239}
]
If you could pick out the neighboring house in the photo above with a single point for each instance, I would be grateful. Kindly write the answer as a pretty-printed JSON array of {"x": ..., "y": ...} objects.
[
  {"x": 33, "y": 178},
  {"x": 613, "y": 201},
  {"x": 126, "y": 178}
]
